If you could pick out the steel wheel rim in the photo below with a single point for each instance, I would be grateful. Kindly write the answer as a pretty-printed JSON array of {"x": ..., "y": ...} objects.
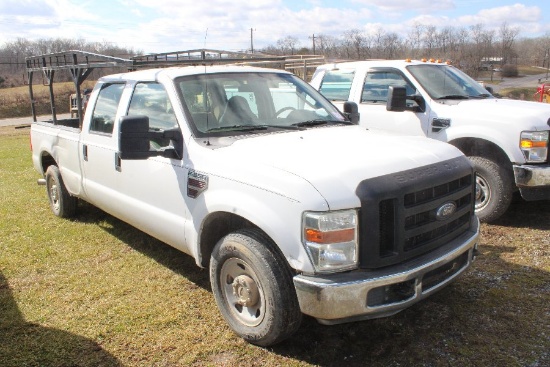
[
  {"x": 53, "y": 194},
  {"x": 483, "y": 193},
  {"x": 244, "y": 296}
]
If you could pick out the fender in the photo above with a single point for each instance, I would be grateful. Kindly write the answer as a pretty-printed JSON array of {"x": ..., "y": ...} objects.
[
  {"x": 280, "y": 219},
  {"x": 495, "y": 136}
]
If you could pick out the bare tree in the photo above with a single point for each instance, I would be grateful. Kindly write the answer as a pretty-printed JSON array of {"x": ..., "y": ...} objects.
[
  {"x": 326, "y": 45},
  {"x": 288, "y": 44},
  {"x": 482, "y": 49},
  {"x": 414, "y": 39},
  {"x": 429, "y": 38},
  {"x": 507, "y": 36},
  {"x": 391, "y": 44},
  {"x": 356, "y": 43}
]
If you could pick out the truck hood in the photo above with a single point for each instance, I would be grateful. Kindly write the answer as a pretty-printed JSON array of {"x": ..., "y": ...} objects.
[
  {"x": 334, "y": 160},
  {"x": 524, "y": 115}
]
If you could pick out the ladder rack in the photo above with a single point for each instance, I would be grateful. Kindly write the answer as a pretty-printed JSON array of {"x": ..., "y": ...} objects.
[{"x": 81, "y": 63}]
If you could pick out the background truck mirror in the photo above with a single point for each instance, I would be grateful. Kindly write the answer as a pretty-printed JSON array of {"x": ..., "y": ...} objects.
[
  {"x": 397, "y": 99},
  {"x": 351, "y": 111}
]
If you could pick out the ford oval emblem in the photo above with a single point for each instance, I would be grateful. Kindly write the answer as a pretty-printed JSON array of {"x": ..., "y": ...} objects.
[{"x": 446, "y": 210}]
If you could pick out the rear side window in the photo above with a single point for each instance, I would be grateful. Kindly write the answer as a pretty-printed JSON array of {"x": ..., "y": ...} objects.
[
  {"x": 336, "y": 85},
  {"x": 106, "y": 106}
]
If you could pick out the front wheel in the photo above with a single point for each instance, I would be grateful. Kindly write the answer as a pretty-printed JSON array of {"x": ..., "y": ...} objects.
[
  {"x": 494, "y": 189},
  {"x": 252, "y": 285}
]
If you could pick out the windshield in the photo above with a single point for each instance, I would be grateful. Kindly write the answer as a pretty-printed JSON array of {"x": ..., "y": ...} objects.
[
  {"x": 233, "y": 103},
  {"x": 447, "y": 82}
]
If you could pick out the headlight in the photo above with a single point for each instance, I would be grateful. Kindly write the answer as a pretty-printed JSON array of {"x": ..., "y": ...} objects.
[
  {"x": 534, "y": 145},
  {"x": 331, "y": 239}
]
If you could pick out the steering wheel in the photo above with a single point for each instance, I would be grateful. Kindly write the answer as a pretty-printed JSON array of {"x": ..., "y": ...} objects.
[{"x": 287, "y": 108}]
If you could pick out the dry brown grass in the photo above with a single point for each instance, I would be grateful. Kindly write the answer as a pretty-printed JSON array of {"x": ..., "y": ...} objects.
[
  {"x": 15, "y": 102},
  {"x": 95, "y": 291}
]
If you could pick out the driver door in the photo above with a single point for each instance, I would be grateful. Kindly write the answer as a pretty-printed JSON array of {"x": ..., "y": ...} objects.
[
  {"x": 372, "y": 106},
  {"x": 153, "y": 191}
]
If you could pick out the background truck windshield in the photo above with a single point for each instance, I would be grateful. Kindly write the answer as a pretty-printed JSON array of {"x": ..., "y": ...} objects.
[{"x": 445, "y": 82}]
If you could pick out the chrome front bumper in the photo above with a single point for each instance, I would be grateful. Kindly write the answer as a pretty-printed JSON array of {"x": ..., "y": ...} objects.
[
  {"x": 532, "y": 175},
  {"x": 533, "y": 181},
  {"x": 359, "y": 295}
]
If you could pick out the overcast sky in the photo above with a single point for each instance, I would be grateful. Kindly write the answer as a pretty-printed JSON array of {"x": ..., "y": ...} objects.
[{"x": 172, "y": 25}]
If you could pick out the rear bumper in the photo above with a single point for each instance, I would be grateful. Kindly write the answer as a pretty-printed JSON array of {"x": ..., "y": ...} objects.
[
  {"x": 533, "y": 181},
  {"x": 359, "y": 295}
]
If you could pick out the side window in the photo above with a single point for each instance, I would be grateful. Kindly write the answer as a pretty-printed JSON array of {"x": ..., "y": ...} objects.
[
  {"x": 151, "y": 100},
  {"x": 375, "y": 87},
  {"x": 336, "y": 84},
  {"x": 105, "y": 109}
]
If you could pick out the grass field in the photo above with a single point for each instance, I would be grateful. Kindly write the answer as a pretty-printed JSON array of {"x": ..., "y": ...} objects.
[{"x": 94, "y": 291}]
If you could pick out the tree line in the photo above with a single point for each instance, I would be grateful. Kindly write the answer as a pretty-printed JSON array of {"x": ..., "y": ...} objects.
[
  {"x": 12, "y": 55},
  {"x": 470, "y": 48}
]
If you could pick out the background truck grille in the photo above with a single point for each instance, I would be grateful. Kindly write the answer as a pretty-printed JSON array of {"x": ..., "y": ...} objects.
[{"x": 398, "y": 216}]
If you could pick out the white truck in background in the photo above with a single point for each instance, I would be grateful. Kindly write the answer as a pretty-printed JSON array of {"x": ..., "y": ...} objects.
[
  {"x": 506, "y": 140},
  {"x": 293, "y": 209}
]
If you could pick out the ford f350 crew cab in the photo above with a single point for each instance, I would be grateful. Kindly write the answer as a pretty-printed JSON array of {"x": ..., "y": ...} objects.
[
  {"x": 253, "y": 173},
  {"x": 506, "y": 140}
]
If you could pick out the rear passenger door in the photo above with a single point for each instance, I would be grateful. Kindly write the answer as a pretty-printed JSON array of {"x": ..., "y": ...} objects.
[{"x": 99, "y": 146}]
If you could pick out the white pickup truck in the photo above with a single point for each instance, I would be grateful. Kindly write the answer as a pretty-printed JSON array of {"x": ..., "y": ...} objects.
[
  {"x": 506, "y": 140},
  {"x": 251, "y": 171}
]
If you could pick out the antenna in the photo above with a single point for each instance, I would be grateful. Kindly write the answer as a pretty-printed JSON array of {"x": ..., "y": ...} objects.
[
  {"x": 252, "y": 40},
  {"x": 205, "y": 97}
]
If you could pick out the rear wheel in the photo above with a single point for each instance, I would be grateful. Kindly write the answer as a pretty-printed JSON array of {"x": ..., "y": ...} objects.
[
  {"x": 62, "y": 203},
  {"x": 494, "y": 189},
  {"x": 252, "y": 285}
]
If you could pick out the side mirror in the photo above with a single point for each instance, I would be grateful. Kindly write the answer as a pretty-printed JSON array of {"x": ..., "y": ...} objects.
[
  {"x": 351, "y": 111},
  {"x": 134, "y": 139},
  {"x": 397, "y": 99}
]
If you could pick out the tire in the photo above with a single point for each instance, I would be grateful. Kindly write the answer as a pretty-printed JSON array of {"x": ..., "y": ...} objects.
[
  {"x": 252, "y": 285},
  {"x": 63, "y": 205},
  {"x": 494, "y": 189}
]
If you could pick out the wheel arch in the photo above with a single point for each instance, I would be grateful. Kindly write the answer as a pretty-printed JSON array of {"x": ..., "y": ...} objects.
[
  {"x": 219, "y": 224},
  {"x": 46, "y": 160},
  {"x": 483, "y": 148}
]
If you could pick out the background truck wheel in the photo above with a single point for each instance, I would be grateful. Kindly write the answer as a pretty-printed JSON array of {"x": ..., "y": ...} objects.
[
  {"x": 252, "y": 285},
  {"x": 494, "y": 189},
  {"x": 62, "y": 203}
]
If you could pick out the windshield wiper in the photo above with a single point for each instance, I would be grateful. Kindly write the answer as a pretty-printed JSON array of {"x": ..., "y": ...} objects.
[
  {"x": 482, "y": 96},
  {"x": 251, "y": 127},
  {"x": 454, "y": 96},
  {"x": 310, "y": 123},
  {"x": 237, "y": 128},
  {"x": 282, "y": 127}
]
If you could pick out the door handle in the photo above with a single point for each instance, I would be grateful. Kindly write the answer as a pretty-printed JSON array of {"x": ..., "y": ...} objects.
[
  {"x": 118, "y": 162},
  {"x": 85, "y": 152},
  {"x": 439, "y": 124}
]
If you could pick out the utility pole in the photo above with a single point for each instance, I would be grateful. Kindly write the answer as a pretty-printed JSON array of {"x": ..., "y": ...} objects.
[
  {"x": 313, "y": 38},
  {"x": 251, "y": 40}
]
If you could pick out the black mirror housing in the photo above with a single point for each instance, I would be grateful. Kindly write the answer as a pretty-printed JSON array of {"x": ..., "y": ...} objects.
[
  {"x": 134, "y": 139},
  {"x": 397, "y": 99},
  {"x": 351, "y": 111}
]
